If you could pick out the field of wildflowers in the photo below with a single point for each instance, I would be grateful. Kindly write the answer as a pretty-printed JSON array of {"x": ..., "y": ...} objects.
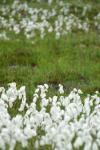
[
  {"x": 57, "y": 17},
  {"x": 53, "y": 45},
  {"x": 59, "y": 122}
]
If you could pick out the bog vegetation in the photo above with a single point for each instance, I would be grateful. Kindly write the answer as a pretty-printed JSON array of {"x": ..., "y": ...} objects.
[{"x": 56, "y": 43}]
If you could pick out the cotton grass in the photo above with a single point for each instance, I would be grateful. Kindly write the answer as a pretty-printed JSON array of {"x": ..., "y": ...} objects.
[
  {"x": 59, "y": 18},
  {"x": 67, "y": 122}
]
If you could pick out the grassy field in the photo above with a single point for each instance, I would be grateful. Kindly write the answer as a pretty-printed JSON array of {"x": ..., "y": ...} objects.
[{"x": 73, "y": 61}]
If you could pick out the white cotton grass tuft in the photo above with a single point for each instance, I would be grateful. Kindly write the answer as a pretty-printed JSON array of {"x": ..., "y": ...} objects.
[
  {"x": 59, "y": 18},
  {"x": 61, "y": 90},
  {"x": 65, "y": 122}
]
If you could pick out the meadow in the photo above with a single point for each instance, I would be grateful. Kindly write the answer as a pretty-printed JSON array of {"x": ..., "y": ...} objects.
[{"x": 47, "y": 44}]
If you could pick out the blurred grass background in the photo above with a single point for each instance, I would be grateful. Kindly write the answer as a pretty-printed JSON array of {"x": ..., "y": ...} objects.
[{"x": 73, "y": 60}]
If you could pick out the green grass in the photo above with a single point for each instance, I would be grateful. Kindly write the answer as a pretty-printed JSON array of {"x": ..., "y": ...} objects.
[{"x": 73, "y": 61}]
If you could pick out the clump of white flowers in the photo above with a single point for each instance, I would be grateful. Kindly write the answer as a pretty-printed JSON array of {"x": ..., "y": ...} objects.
[
  {"x": 67, "y": 122},
  {"x": 58, "y": 17},
  {"x": 3, "y": 36}
]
